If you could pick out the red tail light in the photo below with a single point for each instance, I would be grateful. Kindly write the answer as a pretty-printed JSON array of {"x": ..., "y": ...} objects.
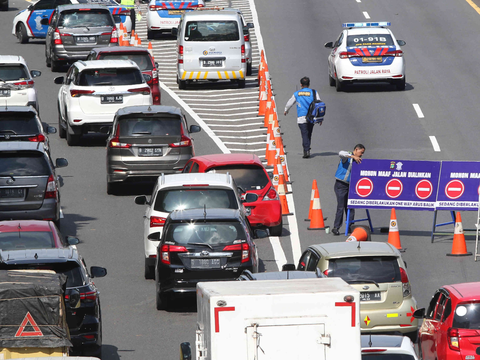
[
  {"x": 157, "y": 221},
  {"x": 51, "y": 191},
  {"x": 157, "y": 7},
  {"x": 113, "y": 36},
  {"x": 346, "y": 55},
  {"x": 184, "y": 142},
  {"x": 407, "y": 289},
  {"x": 373, "y": 350},
  {"x": 244, "y": 247},
  {"x": 88, "y": 296},
  {"x": 180, "y": 54},
  {"x": 57, "y": 40},
  {"x": 167, "y": 249},
  {"x": 78, "y": 93},
  {"x": 27, "y": 83},
  {"x": 115, "y": 143},
  {"x": 246, "y": 37},
  {"x": 243, "y": 53},
  {"x": 144, "y": 90},
  {"x": 396, "y": 53},
  {"x": 154, "y": 76},
  {"x": 453, "y": 340},
  {"x": 271, "y": 194},
  {"x": 195, "y": 6},
  {"x": 38, "y": 138}
]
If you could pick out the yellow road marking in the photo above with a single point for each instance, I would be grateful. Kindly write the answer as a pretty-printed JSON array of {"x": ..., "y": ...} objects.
[{"x": 472, "y": 4}]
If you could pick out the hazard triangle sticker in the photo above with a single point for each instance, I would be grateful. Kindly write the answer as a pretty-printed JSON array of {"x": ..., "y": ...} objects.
[{"x": 28, "y": 320}]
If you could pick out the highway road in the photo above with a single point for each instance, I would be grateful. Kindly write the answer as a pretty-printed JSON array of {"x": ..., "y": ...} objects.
[{"x": 440, "y": 101}]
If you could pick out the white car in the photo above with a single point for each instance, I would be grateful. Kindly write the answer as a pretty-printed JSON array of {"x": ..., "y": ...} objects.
[
  {"x": 391, "y": 347},
  {"x": 93, "y": 91},
  {"x": 17, "y": 86},
  {"x": 181, "y": 192},
  {"x": 366, "y": 52}
]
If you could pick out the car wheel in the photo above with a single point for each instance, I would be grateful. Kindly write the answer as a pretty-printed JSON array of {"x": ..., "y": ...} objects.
[
  {"x": 161, "y": 301},
  {"x": 331, "y": 80},
  {"x": 149, "y": 271},
  {"x": 276, "y": 230},
  {"x": 401, "y": 84},
  {"x": 47, "y": 59},
  {"x": 4, "y": 7},
  {"x": 338, "y": 85},
  {"x": 72, "y": 139},
  {"x": 55, "y": 65},
  {"x": 112, "y": 188},
  {"x": 22, "y": 34},
  {"x": 61, "y": 130},
  {"x": 413, "y": 336},
  {"x": 182, "y": 84},
  {"x": 150, "y": 35},
  {"x": 241, "y": 84},
  {"x": 249, "y": 69}
]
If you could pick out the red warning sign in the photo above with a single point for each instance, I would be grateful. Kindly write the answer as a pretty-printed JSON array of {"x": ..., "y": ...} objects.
[
  {"x": 454, "y": 189},
  {"x": 423, "y": 189},
  {"x": 364, "y": 187},
  {"x": 28, "y": 320},
  {"x": 394, "y": 188}
]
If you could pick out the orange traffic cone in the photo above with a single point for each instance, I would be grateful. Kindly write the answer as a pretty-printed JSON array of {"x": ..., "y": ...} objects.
[
  {"x": 268, "y": 113},
  {"x": 312, "y": 197},
  {"x": 359, "y": 233},
  {"x": 278, "y": 165},
  {"x": 459, "y": 246},
  {"x": 262, "y": 99},
  {"x": 271, "y": 148},
  {"x": 139, "y": 41},
  {"x": 283, "y": 160},
  {"x": 283, "y": 197},
  {"x": 316, "y": 221},
  {"x": 275, "y": 178},
  {"x": 150, "y": 48},
  {"x": 393, "y": 233},
  {"x": 269, "y": 89}
]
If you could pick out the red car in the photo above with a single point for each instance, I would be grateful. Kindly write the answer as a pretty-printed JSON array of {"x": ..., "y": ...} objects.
[
  {"x": 251, "y": 177},
  {"x": 32, "y": 234},
  {"x": 451, "y": 324},
  {"x": 140, "y": 56}
]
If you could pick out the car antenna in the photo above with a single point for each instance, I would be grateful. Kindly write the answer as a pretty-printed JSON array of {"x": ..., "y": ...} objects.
[
  {"x": 370, "y": 340},
  {"x": 204, "y": 212},
  {"x": 358, "y": 246},
  {"x": 19, "y": 232}
]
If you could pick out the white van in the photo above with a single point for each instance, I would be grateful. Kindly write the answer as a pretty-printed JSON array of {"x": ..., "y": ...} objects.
[{"x": 211, "y": 46}]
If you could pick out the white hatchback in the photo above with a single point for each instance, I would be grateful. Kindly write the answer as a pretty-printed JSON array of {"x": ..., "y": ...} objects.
[
  {"x": 93, "y": 91},
  {"x": 391, "y": 347},
  {"x": 16, "y": 82},
  {"x": 366, "y": 52}
]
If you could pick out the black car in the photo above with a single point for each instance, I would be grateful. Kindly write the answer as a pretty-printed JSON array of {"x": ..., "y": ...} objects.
[
  {"x": 82, "y": 298},
  {"x": 201, "y": 245}
]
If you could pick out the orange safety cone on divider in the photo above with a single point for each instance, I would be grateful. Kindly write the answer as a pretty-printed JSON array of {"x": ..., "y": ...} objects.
[
  {"x": 393, "y": 233},
  {"x": 275, "y": 178},
  {"x": 268, "y": 113},
  {"x": 271, "y": 148},
  {"x": 283, "y": 197},
  {"x": 316, "y": 221},
  {"x": 312, "y": 197},
  {"x": 280, "y": 173},
  {"x": 139, "y": 41},
  {"x": 150, "y": 49},
  {"x": 262, "y": 100},
  {"x": 459, "y": 246},
  {"x": 359, "y": 233},
  {"x": 269, "y": 89},
  {"x": 283, "y": 159}
]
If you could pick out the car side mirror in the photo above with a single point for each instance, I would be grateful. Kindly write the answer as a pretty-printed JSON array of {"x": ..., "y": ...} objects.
[
  {"x": 59, "y": 80},
  {"x": 401, "y": 42},
  {"x": 141, "y": 200},
  {"x": 185, "y": 351},
  {"x": 61, "y": 162},
  {"x": 288, "y": 267},
  {"x": 419, "y": 313},
  {"x": 45, "y": 21},
  {"x": 329, "y": 45},
  {"x": 154, "y": 236},
  {"x": 35, "y": 73},
  {"x": 72, "y": 240},
  {"x": 194, "y": 129},
  {"x": 250, "y": 197},
  {"x": 147, "y": 77},
  {"x": 51, "y": 130},
  {"x": 250, "y": 26},
  {"x": 97, "y": 271},
  {"x": 174, "y": 31}
]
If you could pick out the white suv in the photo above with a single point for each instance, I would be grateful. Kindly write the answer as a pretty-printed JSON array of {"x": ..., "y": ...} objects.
[
  {"x": 16, "y": 82},
  {"x": 93, "y": 91},
  {"x": 181, "y": 192}
]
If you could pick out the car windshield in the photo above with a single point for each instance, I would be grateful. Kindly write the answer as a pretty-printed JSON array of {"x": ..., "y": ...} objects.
[
  {"x": 142, "y": 60},
  {"x": 13, "y": 72},
  {"x": 388, "y": 356},
  {"x": 25, "y": 163},
  {"x": 381, "y": 269},
  {"x": 110, "y": 76},
  {"x": 212, "y": 233},
  {"x": 82, "y": 18},
  {"x": 212, "y": 31},
  {"x": 369, "y": 40},
  {"x": 467, "y": 316},
  {"x": 183, "y": 199},
  {"x": 19, "y": 124},
  {"x": 151, "y": 126},
  {"x": 248, "y": 177},
  {"x": 18, "y": 240}
]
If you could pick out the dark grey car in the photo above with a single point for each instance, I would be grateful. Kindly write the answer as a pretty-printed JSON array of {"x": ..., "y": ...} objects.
[
  {"x": 29, "y": 187},
  {"x": 147, "y": 141},
  {"x": 75, "y": 30}
]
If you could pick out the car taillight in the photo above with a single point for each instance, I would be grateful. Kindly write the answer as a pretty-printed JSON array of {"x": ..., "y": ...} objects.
[
  {"x": 271, "y": 194},
  {"x": 78, "y": 93},
  {"x": 88, "y": 296},
  {"x": 184, "y": 142},
  {"x": 26, "y": 83},
  {"x": 407, "y": 289},
  {"x": 453, "y": 341},
  {"x": 346, "y": 55},
  {"x": 167, "y": 249},
  {"x": 373, "y": 350},
  {"x": 246, "y": 37},
  {"x": 180, "y": 54},
  {"x": 195, "y": 6},
  {"x": 396, "y": 53},
  {"x": 156, "y": 7},
  {"x": 244, "y": 247},
  {"x": 51, "y": 191},
  {"x": 115, "y": 143},
  {"x": 38, "y": 138},
  {"x": 113, "y": 36},
  {"x": 157, "y": 221},
  {"x": 144, "y": 90},
  {"x": 57, "y": 40},
  {"x": 154, "y": 76},
  {"x": 243, "y": 53}
]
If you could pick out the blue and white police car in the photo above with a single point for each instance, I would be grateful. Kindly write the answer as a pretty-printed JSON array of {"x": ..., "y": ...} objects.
[
  {"x": 366, "y": 52},
  {"x": 27, "y": 23}
]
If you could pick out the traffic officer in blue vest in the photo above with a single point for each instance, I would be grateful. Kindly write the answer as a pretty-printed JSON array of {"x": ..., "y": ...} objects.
[
  {"x": 342, "y": 183},
  {"x": 303, "y": 98}
]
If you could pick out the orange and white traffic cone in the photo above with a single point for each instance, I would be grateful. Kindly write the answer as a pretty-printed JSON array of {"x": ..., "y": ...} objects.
[
  {"x": 269, "y": 89},
  {"x": 312, "y": 197},
  {"x": 316, "y": 221},
  {"x": 283, "y": 159},
  {"x": 283, "y": 197},
  {"x": 271, "y": 148},
  {"x": 459, "y": 246},
  {"x": 393, "y": 233},
  {"x": 150, "y": 48},
  {"x": 132, "y": 38},
  {"x": 275, "y": 179},
  {"x": 139, "y": 41},
  {"x": 359, "y": 233},
  {"x": 262, "y": 99},
  {"x": 280, "y": 173},
  {"x": 268, "y": 113}
]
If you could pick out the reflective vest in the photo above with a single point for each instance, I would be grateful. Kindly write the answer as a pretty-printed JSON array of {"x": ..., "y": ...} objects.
[
  {"x": 304, "y": 98},
  {"x": 344, "y": 169},
  {"x": 128, "y": 3}
]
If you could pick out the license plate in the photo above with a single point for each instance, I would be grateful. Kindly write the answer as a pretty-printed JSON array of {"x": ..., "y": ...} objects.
[
  {"x": 212, "y": 63},
  {"x": 4, "y": 92},
  {"x": 111, "y": 99},
  {"x": 370, "y": 296},
  {"x": 145, "y": 151},
  {"x": 372, "y": 59},
  {"x": 175, "y": 12},
  {"x": 12, "y": 193},
  {"x": 85, "y": 39},
  {"x": 205, "y": 263}
]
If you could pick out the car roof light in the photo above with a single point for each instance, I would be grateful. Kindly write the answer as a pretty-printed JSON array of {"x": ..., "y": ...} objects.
[{"x": 366, "y": 24}]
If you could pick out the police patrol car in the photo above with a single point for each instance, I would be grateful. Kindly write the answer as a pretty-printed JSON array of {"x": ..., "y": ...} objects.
[
  {"x": 27, "y": 23},
  {"x": 366, "y": 52}
]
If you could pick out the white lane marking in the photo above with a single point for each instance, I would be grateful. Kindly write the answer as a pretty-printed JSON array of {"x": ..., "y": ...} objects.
[
  {"x": 293, "y": 227},
  {"x": 225, "y": 104},
  {"x": 250, "y": 150},
  {"x": 434, "y": 142},
  {"x": 239, "y": 131},
  {"x": 239, "y": 125},
  {"x": 239, "y": 108},
  {"x": 359, "y": 1},
  {"x": 278, "y": 253},
  {"x": 224, "y": 99},
  {"x": 242, "y": 137},
  {"x": 418, "y": 111},
  {"x": 366, "y": 15},
  {"x": 245, "y": 144},
  {"x": 237, "y": 114},
  {"x": 61, "y": 213}
]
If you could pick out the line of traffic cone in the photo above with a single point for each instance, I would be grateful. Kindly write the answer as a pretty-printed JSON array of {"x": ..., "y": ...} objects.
[
  {"x": 316, "y": 221},
  {"x": 393, "y": 233},
  {"x": 459, "y": 246}
]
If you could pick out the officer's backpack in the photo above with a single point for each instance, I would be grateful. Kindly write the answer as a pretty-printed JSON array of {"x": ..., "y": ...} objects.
[{"x": 316, "y": 110}]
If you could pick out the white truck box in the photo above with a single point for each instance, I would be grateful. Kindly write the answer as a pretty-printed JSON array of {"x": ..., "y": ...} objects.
[{"x": 278, "y": 319}]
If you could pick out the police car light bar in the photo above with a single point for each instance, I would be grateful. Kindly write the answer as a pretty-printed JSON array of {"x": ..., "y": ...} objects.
[{"x": 367, "y": 24}]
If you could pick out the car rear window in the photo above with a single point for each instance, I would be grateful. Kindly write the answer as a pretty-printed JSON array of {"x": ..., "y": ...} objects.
[
  {"x": 26, "y": 240},
  {"x": 381, "y": 269},
  {"x": 24, "y": 163},
  {"x": 370, "y": 40},
  {"x": 212, "y": 31},
  {"x": 85, "y": 18},
  {"x": 100, "y": 2},
  {"x": 212, "y": 233},
  {"x": 467, "y": 316},
  {"x": 109, "y": 77},
  {"x": 152, "y": 126},
  {"x": 13, "y": 72},
  {"x": 182, "y": 199},
  {"x": 19, "y": 124},
  {"x": 248, "y": 177},
  {"x": 142, "y": 60},
  {"x": 388, "y": 356}
]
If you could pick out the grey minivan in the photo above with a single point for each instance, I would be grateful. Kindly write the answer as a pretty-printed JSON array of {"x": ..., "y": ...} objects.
[
  {"x": 75, "y": 30},
  {"x": 146, "y": 141}
]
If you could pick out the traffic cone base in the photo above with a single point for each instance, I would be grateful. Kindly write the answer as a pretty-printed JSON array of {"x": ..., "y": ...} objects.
[
  {"x": 393, "y": 233},
  {"x": 459, "y": 246}
]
